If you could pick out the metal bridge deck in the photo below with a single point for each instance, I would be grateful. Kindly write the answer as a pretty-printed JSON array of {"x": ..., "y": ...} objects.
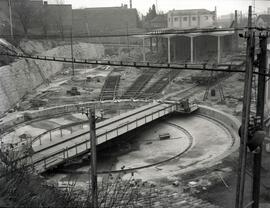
[{"x": 58, "y": 149}]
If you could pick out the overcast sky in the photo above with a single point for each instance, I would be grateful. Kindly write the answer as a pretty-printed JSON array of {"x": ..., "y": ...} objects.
[{"x": 223, "y": 6}]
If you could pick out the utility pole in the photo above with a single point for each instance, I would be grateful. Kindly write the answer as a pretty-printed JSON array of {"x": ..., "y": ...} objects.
[
  {"x": 240, "y": 188},
  {"x": 72, "y": 55},
  {"x": 236, "y": 29},
  {"x": 128, "y": 39},
  {"x": 92, "y": 120},
  {"x": 257, "y": 159},
  {"x": 90, "y": 113},
  {"x": 71, "y": 40},
  {"x": 10, "y": 19}
]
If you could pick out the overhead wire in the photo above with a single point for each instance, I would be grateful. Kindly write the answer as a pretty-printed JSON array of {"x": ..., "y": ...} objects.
[{"x": 154, "y": 33}]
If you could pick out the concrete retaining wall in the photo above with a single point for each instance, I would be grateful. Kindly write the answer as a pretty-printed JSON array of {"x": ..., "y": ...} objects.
[
  {"x": 225, "y": 118},
  {"x": 228, "y": 121}
]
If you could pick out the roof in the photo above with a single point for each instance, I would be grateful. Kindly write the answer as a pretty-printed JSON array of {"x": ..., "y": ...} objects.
[
  {"x": 159, "y": 18},
  {"x": 265, "y": 17},
  {"x": 191, "y": 12},
  {"x": 106, "y": 8}
]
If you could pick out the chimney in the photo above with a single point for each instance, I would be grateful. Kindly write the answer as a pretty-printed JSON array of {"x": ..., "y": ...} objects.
[
  {"x": 130, "y": 4},
  {"x": 215, "y": 16}
]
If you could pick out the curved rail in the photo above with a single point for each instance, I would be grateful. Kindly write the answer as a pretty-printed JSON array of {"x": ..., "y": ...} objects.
[{"x": 190, "y": 138}]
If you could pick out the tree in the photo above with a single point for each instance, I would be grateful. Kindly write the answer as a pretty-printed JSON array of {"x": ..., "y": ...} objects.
[
  {"x": 152, "y": 13},
  {"x": 59, "y": 18},
  {"x": 44, "y": 20},
  {"x": 24, "y": 11}
]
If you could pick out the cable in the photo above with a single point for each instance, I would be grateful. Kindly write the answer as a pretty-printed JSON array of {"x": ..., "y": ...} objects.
[
  {"x": 196, "y": 67},
  {"x": 156, "y": 33}
]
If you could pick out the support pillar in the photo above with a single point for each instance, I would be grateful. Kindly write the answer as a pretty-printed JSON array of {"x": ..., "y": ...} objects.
[
  {"x": 144, "y": 59},
  {"x": 157, "y": 44},
  {"x": 174, "y": 51},
  {"x": 218, "y": 50},
  {"x": 191, "y": 50},
  {"x": 151, "y": 44},
  {"x": 169, "y": 50}
]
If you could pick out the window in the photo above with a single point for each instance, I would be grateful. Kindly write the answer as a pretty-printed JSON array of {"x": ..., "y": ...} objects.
[
  {"x": 206, "y": 17},
  {"x": 176, "y": 19},
  {"x": 184, "y": 19},
  {"x": 194, "y": 18},
  {"x": 169, "y": 19}
]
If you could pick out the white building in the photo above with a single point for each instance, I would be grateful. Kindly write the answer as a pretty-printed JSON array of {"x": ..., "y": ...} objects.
[
  {"x": 191, "y": 18},
  {"x": 263, "y": 20}
]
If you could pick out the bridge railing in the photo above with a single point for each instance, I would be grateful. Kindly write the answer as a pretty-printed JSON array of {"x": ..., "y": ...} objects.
[
  {"x": 69, "y": 127},
  {"x": 41, "y": 163}
]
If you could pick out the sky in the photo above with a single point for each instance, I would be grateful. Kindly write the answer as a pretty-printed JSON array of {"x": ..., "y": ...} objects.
[{"x": 223, "y": 6}]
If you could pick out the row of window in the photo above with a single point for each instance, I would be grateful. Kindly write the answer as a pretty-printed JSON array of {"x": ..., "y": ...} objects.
[{"x": 186, "y": 19}]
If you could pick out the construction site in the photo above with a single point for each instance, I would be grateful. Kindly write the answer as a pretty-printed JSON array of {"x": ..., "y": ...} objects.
[{"x": 167, "y": 117}]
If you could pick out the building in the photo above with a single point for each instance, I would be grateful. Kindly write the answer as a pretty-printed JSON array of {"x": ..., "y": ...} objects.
[
  {"x": 191, "y": 18},
  {"x": 263, "y": 20},
  {"x": 95, "y": 21},
  {"x": 158, "y": 22},
  {"x": 57, "y": 18}
]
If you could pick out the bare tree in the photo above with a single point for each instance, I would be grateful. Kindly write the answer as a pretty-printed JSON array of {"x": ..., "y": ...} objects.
[
  {"x": 24, "y": 12},
  {"x": 59, "y": 18},
  {"x": 44, "y": 20}
]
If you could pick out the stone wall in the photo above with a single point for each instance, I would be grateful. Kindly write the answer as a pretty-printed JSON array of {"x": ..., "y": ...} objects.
[{"x": 22, "y": 76}]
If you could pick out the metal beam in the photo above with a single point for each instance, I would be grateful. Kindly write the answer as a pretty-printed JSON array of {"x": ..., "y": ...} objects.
[
  {"x": 218, "y": 49},
  {"x": 191, "y": 50},
  {"x": 144, "y": 58},
  {"x": 169, "y": 50}
]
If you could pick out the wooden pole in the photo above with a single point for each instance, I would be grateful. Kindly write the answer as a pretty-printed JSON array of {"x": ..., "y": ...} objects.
[
  {"x": 10, "y": 19},
  {"x": 257, "y": 159},
  {"x": 72, "y": 54},
  {"x": 94, "y": 190},
  {"x": 239, "y": 202}
]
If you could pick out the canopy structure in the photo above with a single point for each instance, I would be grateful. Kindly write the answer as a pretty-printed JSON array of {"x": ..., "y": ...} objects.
[{"x": 195, "y": 38}]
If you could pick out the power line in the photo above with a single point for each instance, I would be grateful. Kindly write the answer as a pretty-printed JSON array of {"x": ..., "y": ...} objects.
[
  {"x": 154, "y": 33},
  {"x": 184, "y": 66}
]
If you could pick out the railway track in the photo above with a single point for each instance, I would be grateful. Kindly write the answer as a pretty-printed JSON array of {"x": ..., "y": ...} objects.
[
  {"x": 159, "y": 85},
  {"x": 134, "y": 90},
  {"x": 110, "y": 88}
]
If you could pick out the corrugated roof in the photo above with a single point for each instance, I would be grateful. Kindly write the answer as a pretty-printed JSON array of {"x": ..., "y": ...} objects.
[{"x": 190, "y": 12}]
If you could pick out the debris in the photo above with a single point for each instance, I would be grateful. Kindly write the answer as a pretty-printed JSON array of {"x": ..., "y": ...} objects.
[{"x": 176, "y": 183}]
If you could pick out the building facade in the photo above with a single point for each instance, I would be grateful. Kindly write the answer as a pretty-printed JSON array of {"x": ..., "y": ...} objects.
[
  {"x": 95, "y": 21},
  {"x": 192, "y": 18}
]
